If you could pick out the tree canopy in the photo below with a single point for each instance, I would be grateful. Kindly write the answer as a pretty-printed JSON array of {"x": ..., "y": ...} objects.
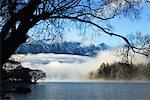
[
  {"x": 14, "y": 71},
  {"x": 19, "y": 16}
]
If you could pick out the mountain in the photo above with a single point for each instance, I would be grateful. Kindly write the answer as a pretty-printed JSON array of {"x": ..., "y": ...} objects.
[
  {"x": 74, "y": 48},
  {"x": 33, "y": 47}
]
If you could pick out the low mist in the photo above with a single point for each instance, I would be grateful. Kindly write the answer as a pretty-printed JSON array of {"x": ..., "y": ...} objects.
[{"x": 62, "y": 67}]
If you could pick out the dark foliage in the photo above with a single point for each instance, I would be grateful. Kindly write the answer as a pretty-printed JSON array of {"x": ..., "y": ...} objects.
[
  {"x": 20, "y": 74},
  {"x": 3, "y": 74},
  {"x": 121, "y": 71},
  {"x": 14, "y": 71},
  {"x": 147, "y": 71},
  {"x": 36, "y": 75}
]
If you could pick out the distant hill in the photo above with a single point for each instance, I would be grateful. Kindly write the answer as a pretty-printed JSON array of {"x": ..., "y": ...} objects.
[{"x": 73, "y": 48}]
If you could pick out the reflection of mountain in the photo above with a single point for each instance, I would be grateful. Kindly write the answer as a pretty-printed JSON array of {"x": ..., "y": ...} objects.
[{"x": 74, "y": 48}]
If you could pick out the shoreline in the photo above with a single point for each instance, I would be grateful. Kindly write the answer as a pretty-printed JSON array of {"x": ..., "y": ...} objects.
[
  {"x": 95, "y": 81},
  {"x": 75, "y": 81}
]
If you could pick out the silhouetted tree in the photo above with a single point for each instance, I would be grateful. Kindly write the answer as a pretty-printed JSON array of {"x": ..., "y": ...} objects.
[
  {"x": 140, "y": 41},
  {"x": 18, "y": 16},
  {"x": 37, "y": 75},
  {"x": 14, "y": 71},
  {"x": 20, "y": 74},
  {"x": 3, "y": 74}
]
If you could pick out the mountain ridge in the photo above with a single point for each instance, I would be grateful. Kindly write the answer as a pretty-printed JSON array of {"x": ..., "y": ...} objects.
[{"x": 73, "y": 48}]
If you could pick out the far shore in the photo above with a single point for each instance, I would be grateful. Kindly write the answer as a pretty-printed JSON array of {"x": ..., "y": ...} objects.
[{"x": 95, "y": 81}]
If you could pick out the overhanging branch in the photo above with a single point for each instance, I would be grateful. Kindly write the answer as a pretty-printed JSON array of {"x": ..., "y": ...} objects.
[{"x": 130, "y": 46}]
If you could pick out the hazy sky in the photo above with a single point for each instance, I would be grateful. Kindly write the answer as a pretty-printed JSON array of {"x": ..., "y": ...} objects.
[{"x": 122, "y": 26}]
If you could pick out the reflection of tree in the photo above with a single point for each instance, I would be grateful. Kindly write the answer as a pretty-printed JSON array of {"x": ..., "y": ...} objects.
[
  {"x": 3, "y": 95},
  {"x": 51, "y": 17}
]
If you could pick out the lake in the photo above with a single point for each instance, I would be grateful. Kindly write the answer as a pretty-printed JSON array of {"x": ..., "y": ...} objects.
[
  {"x": 60, "y": 67},
  {"x": 86, "y": 91}
]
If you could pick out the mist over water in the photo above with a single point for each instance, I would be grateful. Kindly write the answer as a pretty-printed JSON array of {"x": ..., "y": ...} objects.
[{"x": 63, "y": 67}]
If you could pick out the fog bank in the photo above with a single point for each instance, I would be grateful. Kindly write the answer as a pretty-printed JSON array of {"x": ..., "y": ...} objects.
[{"x": 62, "y": 67}]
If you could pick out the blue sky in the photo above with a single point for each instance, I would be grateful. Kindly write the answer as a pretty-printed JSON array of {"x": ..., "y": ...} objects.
[{"x": 123, "y": 26}]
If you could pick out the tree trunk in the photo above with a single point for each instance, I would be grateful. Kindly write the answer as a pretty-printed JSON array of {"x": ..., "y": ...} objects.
[
  {"x": 18, "y": 36},
  {"x": 9, "y": 45}
]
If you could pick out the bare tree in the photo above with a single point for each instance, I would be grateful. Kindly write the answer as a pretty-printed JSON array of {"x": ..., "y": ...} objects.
[
  {"x": 141, "y": 42},
  {"x": 19, "y": 16},
  {"x": 141, "y": 45},
  {"x": 127, "y": 55}
]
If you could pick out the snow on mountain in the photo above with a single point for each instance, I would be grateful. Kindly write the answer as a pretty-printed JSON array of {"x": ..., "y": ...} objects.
[
  {"x": 33, "y": 47},
  {"x": 73, "y": 48}
]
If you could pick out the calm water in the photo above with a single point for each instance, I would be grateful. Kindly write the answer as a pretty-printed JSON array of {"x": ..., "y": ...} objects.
[{"x": 86, "y": 91}]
